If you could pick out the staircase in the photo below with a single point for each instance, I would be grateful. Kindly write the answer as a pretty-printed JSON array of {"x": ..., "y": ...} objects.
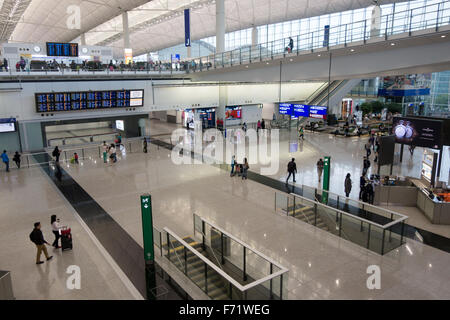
[
  {"x": 214, "y": 287},
  {"x": 306, "y": 214}
]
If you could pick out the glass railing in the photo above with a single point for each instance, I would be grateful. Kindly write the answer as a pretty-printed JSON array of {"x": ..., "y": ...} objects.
[
  {"x": 89, "y": 152},
  {"x": 406, "y": 22},
  {"x": 222, "y": 266},
  {"x": 432, "y": 17},
  {"x": 374, "y": 228}
]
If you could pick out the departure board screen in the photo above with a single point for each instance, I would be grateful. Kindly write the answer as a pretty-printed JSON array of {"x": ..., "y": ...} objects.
[
  {"x": 88, "y": 100},
  {"x": 56, "y": 49}
]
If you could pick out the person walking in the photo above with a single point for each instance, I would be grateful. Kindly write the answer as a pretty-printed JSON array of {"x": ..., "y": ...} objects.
[
  {"x": 367, "y": 146},
  {"x": 292, "y": 169},
  {"x": 55, "y": 229},
  {"x": 245, "y": 168},
  {"x": 233, "y": 163},
  {"x": 320, "y": 165},
  {"x": 112, "y": 153},
  {"x": 144, "y": 145},
  {"x": 5, "y": 160},
  {"x": 258, "y": 126},
  {"x": 348, "y": 185},
  {"x": 105, "y": 152},
  {"x": 16, "y": 159},
  {"x": 263, "y": 124},
  {"x": 56, "y": 153},
  {"x": 37, "y": 238},
  {"x": 301, "y": 133},
  {"x": 376, "y": 148},
  {"x": 362, "y": 183},
  {"x": 370, "y": 192},
  {"x": 366, "y": 165}
]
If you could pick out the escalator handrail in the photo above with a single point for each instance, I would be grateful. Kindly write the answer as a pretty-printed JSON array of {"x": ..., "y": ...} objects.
[{"x": 353, "y": 216}]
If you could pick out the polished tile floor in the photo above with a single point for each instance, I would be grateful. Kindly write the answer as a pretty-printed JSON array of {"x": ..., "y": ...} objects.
[
  {"x": 321, "y": 265},
  {"x": 27, "y": 196}
]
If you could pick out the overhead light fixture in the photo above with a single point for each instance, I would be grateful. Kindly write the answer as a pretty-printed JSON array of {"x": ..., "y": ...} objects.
[
  {"x": 319, "y": 55},
  {"x": 443, "y": 36},
  {"x": 352, "y": 50},
  {"x": 267, "y": 63},
  {"x": 290, "y": 60},
  {"x": 392, "y": 44}
]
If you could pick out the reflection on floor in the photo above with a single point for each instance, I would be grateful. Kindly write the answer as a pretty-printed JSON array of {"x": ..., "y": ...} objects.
[{"x": 321, "y": 265}]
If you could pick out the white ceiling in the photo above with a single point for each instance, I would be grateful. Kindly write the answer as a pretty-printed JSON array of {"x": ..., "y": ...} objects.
[{"x": 159, "y": 24}]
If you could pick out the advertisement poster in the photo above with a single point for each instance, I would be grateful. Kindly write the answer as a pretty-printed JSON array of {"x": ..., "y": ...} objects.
[
  {"x": 418, "y": 132},
  {"x": 445, "y": 165},
  {"x": 233, "y": 113},
  {"x": 406, "y": 85}
]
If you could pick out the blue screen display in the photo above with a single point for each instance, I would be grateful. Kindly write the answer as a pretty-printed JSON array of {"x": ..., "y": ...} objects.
[
  {"x": 318, "y": 112},
  {"x": 301, "y": 110},
  {"x": 285, "y": 108}
]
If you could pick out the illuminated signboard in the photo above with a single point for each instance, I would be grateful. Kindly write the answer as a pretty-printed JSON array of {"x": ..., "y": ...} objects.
[
  {"x": 88, "y": 100},
  {"x": 301, "y": 110},
  {"x": 318, "y": 112},
  {"x": 56, "y": 49},
  {"x": 285, "y": 108}
]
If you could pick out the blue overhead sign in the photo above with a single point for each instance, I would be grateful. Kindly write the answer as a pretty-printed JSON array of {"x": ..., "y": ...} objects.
[
  {"x": 301, "y": 110},
  {"x": 403, "y": 92},
  {"x": 187, "y": 28},
  {"x": 285, "y": 108}
]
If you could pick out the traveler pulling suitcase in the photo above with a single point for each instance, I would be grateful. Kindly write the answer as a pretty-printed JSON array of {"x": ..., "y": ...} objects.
[{"x": 66, "y": 239}]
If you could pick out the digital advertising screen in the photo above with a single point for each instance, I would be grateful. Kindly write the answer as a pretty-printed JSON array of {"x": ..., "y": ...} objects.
[
  {"x": 7, "y": 125},
  {"x": 76, "y": 101},
  {"x": 318, "y": 112},
  {"x": 285, "y": 108},
  {"x": 57, "y": 49},
  {"x": 300, "y": 110},
  {"x": 233, "y": 112},
  {"x": 120, "y": 125},
  {"x": 418, "y": 132}
]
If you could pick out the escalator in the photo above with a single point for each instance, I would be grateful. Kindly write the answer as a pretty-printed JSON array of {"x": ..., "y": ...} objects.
[{"x": 190, "y": 264}]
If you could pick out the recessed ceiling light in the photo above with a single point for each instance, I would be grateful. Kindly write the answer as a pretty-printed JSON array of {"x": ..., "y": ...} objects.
[
  {"x": 392, "y": 44},
  {"x": 352, "y": 50},
  {"x": 443, "y": 36}
]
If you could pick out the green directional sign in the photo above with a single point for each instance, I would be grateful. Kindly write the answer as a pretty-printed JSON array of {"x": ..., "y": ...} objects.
[
  {"x": 326, "y": 179},
  {"x": 147, "y": 227}
]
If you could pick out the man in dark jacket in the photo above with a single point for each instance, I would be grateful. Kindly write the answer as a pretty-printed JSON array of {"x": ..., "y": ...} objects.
[
  {"x": 362, "y": 183},
  {"x": 37, "y": 238},
  {"x": 292, "y": 169}
]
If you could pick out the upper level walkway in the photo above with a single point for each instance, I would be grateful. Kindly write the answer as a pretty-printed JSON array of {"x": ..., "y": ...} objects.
[{"x": 411, "y": 41}]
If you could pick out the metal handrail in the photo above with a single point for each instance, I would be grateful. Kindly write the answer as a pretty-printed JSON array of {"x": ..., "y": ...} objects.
[
  {"x": 365, "y": 204},
  {"x": 220, "y": 271},
  {"x": 341, "y": 34},
  {"x": 243, "y": 244},
  {"x": 353, "y": 216}
]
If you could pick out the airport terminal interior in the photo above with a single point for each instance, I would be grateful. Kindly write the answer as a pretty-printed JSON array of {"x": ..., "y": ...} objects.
[{"x": 224, "y": 150}]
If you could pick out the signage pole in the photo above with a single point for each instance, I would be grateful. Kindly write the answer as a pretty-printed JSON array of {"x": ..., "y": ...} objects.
[
  {"x": 326, "y": 179},
  {"x": 149, "y": 256},
  {"x": 147, "y": 227}
]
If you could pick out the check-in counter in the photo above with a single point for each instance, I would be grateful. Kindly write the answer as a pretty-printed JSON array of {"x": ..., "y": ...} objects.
[
  {"x": 401, "y": 194},
  {"x": 6, "y": 291},
  {"x": 438, "y": 212}
]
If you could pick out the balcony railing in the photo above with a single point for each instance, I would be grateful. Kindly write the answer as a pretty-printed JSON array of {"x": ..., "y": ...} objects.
[{"x": 430, "y": 17}]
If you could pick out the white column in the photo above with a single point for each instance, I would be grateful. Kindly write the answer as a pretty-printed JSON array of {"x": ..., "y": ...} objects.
[
  {"x": 126, "y": 35},
  {"x": 220, "y": 26},
  {"x": 83, "y": 39},
  {"x": 254, "y": 36},
  {"x": 189, "y": 52}
]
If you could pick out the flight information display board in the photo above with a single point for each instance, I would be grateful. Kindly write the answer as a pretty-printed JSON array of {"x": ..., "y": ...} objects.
[
  {"x": 88, "y": 100},
  {"x": 56, "y": 49},
  {"x": 318, "y": 112}
]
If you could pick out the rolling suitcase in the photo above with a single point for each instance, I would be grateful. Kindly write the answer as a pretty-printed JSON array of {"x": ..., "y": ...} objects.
[{"x": 66, "y": 239}]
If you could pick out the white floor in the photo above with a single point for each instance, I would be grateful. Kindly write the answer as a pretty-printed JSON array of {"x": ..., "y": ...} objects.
[
  {"x": 27, "y": 196},
  {"x": 321, "y": 265}
]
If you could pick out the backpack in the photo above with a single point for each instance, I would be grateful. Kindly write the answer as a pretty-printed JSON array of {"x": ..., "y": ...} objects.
[{"x": 32, "y": 237}]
